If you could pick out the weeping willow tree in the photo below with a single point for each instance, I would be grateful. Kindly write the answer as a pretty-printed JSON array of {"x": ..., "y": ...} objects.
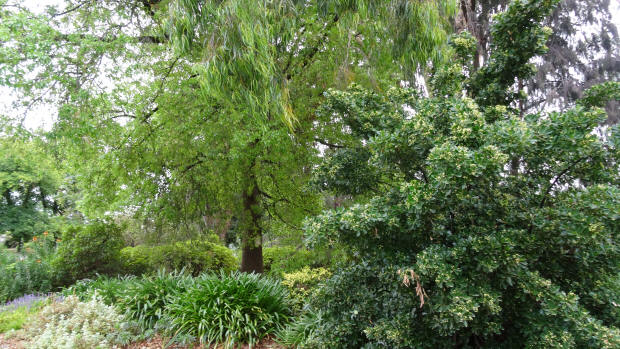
[
  {"x": 267, "y": 64},
  {"x": 178, "y": 109}
]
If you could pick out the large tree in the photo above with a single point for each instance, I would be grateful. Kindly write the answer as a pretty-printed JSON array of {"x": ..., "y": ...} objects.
[
  {"x": 181, "y": 109},
  {"x": 583, "y": 51}
]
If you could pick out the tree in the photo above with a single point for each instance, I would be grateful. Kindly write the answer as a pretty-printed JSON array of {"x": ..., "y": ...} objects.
[
  {"x": 29, "y": 185},
  {"x": 453, "y": 246},
  {"x": 582, "y": 51},
  {"x": 223, "y": 123}
]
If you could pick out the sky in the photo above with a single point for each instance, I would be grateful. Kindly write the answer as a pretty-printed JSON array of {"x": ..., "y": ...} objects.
[{"x": 43, "y": 116}]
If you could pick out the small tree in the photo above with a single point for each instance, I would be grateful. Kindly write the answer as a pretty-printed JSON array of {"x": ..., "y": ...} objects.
[{"x": 483, "y": 229}]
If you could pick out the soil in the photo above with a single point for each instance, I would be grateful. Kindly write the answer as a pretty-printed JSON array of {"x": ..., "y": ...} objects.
[{"x": 13, "y": 342}]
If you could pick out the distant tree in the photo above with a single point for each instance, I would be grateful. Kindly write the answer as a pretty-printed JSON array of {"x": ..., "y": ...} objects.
[
  {"x": 583, "y": 50},
  {"x": 29, "y": 184}
]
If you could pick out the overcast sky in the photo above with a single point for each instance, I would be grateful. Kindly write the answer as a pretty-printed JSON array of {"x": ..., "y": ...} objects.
[{"x": 44, "y": 116}]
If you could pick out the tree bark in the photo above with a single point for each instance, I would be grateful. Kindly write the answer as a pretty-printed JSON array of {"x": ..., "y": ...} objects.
[{"x": 252, "y": 234}]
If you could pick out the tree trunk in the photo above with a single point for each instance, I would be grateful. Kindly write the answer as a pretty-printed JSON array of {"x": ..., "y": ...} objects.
[{"x": 252, "y": 234}]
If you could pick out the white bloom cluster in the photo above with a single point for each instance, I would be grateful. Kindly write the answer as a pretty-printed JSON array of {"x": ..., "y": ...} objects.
[{"x": 72, "y": 324}]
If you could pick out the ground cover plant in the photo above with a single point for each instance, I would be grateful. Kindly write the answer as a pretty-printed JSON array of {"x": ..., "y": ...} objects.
[
  {"x": 16, "y": 313},
  {"x": 229, "y": 309},
  {"x": 71, "y": 323}
]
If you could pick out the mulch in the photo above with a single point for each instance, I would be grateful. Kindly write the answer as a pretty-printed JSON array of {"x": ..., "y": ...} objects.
[
  {"x": 11, "y": 343},
  {"x": 158, "y": 342}
]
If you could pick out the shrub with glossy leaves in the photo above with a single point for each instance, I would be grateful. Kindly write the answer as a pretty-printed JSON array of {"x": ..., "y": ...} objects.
[
  {"x": 229, "y": 308},
  {"x": 488, "y": 228}
]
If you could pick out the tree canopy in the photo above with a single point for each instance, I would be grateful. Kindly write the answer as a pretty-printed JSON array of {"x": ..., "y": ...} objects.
[{"x": 29, "y": 184}]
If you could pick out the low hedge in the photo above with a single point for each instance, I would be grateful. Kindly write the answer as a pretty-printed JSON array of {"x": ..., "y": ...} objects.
[
  {"x": 279, "y": 260},
  {"x": 86, "y": 251},
  {"x": 195, "y": 256}
]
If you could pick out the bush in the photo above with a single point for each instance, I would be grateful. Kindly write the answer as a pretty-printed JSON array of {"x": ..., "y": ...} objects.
[
  {"x": 87, "y": 251},
  {"x": 72, "y": 323},
  {"x": 229, "y": 308},
  {"x": 489, "y": 230},
  {"x": 26, "y": 272},
  {"x": 278, "y": 260},
  {"x": 194, "y": 256},
  {"x": 301, "y": 283},
  {"x": 137, "y": 260}
]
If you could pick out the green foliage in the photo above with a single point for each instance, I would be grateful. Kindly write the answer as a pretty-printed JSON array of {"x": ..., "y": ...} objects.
[
  {"x": 109, "y": 289},
  {"x": 193, "y": 256},
  {"x": 136, "y": 260},
  {"x": 229, "y": 308},
  {"x": 599, "y": 95},
  {"x": 517, "y": 36},
  {"x": 461, "y": 246},
  {"x": 29, "y": 181},
  {"x": 15, "y": 319},
  {"x": 301, "y": 283},
  {"x": 301, "y": 333},
  {"x": 223, "y": 308},
  {"x": 287, "y": 259},
  {"x": 148, "y": 299},
  {"x": 85, "y": 251},
  {"x": 237, "y": 94},
  {"x": 27, "y": 272},
  {"x": 488, "y": 230},
  {"x": 142, "y": 299}
]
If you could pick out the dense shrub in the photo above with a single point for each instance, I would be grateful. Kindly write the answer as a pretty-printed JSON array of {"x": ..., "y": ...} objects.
[
  {"x": 71, "y": 323},
  {"x": 86, "y": 251},
  {"x": 301, "y": 283},
  {"x": 287, "y": 259},
  {"x": 28, "y": 271},
  {"x": 194, "y": 256},
  {"x": 229, "y": 308},
  {"x": 487, "y": 228}
]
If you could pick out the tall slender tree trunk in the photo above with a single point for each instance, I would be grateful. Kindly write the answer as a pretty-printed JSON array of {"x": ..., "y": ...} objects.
[{"x": 252, "y": 234}]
